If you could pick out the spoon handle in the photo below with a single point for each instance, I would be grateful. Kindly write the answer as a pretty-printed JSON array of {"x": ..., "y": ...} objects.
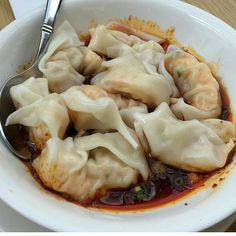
[{"x": 52, "y": 9}]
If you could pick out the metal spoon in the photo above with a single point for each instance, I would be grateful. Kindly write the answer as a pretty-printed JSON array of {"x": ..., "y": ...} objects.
[{"x": 10, "y": 134}]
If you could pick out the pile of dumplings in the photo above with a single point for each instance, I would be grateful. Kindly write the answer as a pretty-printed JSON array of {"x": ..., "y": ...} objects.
[{"x": 127, "y": 99}]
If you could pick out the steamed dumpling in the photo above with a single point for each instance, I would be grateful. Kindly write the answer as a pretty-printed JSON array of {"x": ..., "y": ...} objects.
[
  {"x": 224, "y": 129},
  {"x": 129, "y": 30},
  {"x": 113, "y": 43},
  {"x": 188, "y": 145},
  {"x": 127, "y": 107},
  {"x": 29, "y": 91},
  {"x": 45, "y": 118},
  {"x": 102, "y": 39},
  {"x": 91, "y": 62},
  {"x": 89, "y": 112},
  {"x": 128, "y": 114},
  {"x": 123, "y": 102},
  {"x": 58, "y": 161},
  {"x": 67, "y": 60},
  {"x": 95, "y": 92},
  {"x": 149, "y": 53},
  {"x": 184, "y": 111},
  {"x": 62, "y": 61},
  {"x": 195, "y": 83},
  {"x": 127, "y": 76},
  {"x": 116, "y": 144},
  {"x": 86, "y": 173}
]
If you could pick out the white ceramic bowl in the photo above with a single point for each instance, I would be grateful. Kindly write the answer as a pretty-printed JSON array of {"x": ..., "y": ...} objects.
[{"x": 208, "y": 35}]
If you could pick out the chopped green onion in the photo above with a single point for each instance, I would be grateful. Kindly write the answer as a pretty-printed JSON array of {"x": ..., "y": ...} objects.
[
  {"x": 144, "y": 191},
  {"x": 137, "y": 189}
]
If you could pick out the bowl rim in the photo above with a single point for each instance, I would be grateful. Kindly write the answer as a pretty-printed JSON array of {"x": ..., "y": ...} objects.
[{"x": 212, "y": 21}]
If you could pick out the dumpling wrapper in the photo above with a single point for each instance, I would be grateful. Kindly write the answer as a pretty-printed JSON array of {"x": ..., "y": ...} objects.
[
  {"x": 67, "y": 59},
  {"x": 149, "y": 53},
  {"x": 83, "y": 175},
  {"x": 195, "y": 83},
  {"x": 91, "y": 62},
  {"x": 184, "y": 111},
  {"x": 128, "y": 114},
  {"x": 116, "y": 144},
  {"x": 45, "y": 118},
  {"x": 224, "y": 129},
  {"x": 127, "y": 76},
  {"x": 95, "y": 92},
  {"x": 114, "y": 43},
  {"x": 102, "y": 39},
  {"x": 61, "y": 63},
  {"x": 127, "y": 107},
  {"x": 187, "y": 145},
  {"x": 88, "y": 112},
  {"x": 127, "y": 29},
  {"x": 29, "y": 91}
]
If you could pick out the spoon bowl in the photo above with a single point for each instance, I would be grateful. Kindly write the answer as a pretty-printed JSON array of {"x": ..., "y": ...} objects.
[
  {"x": 16, "y": 143},
  {"x": 12, "y": 135}
]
